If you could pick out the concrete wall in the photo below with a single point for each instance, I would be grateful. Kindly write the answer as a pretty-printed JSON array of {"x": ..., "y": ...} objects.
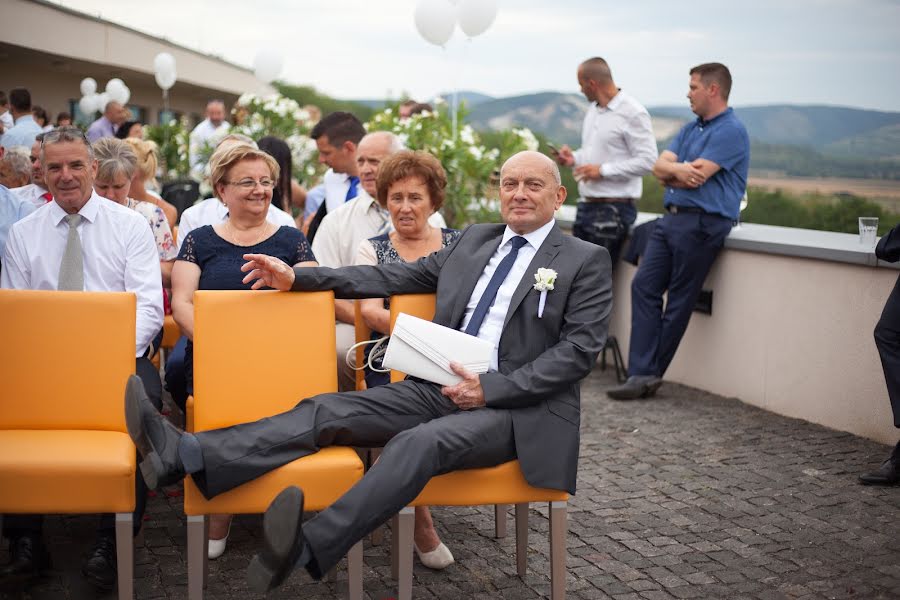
[{"x": 790, "y": 335}]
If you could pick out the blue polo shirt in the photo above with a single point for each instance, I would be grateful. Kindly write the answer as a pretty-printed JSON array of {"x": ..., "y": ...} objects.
[{"x": 724, "y": 141}]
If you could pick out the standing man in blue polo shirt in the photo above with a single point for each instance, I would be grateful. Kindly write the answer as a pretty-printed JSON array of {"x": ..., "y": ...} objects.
[{"x": 705, "y": 174}]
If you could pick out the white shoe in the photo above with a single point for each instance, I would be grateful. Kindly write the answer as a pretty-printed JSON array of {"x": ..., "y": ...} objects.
[
  {"x": 439, "y": 558},
  {"x": 217, "y": 547}
]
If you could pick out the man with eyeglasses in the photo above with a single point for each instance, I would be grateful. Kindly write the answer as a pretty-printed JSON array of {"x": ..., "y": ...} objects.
[{"x": 83, "y": 242}]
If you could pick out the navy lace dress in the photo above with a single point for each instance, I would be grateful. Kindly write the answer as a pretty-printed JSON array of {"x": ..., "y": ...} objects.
[
  {"x": 386, "y": 254},
  {"x": 220, "y": 264}
]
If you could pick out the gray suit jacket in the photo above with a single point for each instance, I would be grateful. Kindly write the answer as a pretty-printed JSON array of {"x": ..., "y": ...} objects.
[{"x": 541, "y": 361}]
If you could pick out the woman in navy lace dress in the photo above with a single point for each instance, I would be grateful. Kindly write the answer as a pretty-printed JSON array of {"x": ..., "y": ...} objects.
[
  {"x": 211, "y": 256},
  {"x": 410, "y": 186}
]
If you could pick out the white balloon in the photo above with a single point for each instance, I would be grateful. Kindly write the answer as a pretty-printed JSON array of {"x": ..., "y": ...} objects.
[
  {"x": 87, "y": 105},
  {"x": 114, "y": 85},
  {"x": 88, "y": 86},
  {"x": 124, "y": 95},
  {"x": 163, "y": 62},
  {"x": 267, "y": 65},
  {"x": 166, "y": 80},
  {"x": 102, "y": 100},
  {"x": 476, "y": 16},
  {"x": 435, "y": 20}
]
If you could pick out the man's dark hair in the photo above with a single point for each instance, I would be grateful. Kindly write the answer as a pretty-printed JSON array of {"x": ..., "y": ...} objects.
[
  {"x": 339, "y": 127},
  {"x": 420, "y": 107},
  {"x": 20, "y": 100},
  {"x": 3, "y": 100},
  {"x": 596, "y": 69},
  {"x": 714, "y": 73}
]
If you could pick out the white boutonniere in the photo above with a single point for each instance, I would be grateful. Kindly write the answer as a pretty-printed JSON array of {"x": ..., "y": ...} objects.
[{"x": 544, "y": 279}]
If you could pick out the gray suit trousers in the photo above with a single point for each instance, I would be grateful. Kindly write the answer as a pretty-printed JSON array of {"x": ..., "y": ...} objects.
[{"x": 422, "y": 431}]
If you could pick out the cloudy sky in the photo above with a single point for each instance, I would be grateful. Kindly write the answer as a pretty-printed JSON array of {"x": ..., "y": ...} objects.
[{"x": 839, "y": 52}]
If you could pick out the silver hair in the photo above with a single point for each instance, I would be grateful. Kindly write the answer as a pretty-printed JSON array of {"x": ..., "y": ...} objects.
[
  {"x": 66, "y": 135},
  {"x": 19, "y": 160},
  {"x": 114, "y": 156},
  {"x": 396, "y": 143},
  {"x": 237, "y": 137}
]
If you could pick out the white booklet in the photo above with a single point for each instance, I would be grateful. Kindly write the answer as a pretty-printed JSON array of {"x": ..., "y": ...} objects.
[{"x": 424, "y": 349}]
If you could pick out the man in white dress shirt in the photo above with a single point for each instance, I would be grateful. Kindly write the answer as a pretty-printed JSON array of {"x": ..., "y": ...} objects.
[
  {"x": 35, "y": 192},
  {"x": 214, "y": 125},
  {"x": 617, "y": 149},
  {"x": 117, "y": 253},
  {"x": 344, "y": 228}
]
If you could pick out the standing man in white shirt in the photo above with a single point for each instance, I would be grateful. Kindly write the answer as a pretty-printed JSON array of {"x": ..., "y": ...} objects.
[
  {"x": 25, "y": 128},
  {"x": 214, "y": 125},
  {"x": 617, "y": 149},
  {"x": 337, "y": 137},
  {"x": 343, "y": 229},
  {"x": 82, "y": 241}
]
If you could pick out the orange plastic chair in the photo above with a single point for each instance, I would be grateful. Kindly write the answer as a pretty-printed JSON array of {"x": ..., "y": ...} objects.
[
  {"x": 501, "y": 485},
  {"x": 64, "y": 448},
  {"x": 287, "y": 341}
]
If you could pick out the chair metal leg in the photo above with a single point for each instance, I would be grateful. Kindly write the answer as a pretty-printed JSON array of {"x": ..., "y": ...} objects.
[
  {"x": 558, "y": 530},
  {"x": 354, "y": 572},
  {"x": 395, "y": 547},
  {"x": 125, "y": 554},
  {"x": 377, "y": 536},
  {"x": 404, "y": 534},
  {"x": 500, "y": 511},
  {"x": 197, "y": 555},
  {"x": 522, "y": 539}
]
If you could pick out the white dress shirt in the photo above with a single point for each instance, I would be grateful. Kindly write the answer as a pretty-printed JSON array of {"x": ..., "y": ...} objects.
[
  {"x": 119, "y": 256},
  {"x": 492, "y": 326},
  {"x": 33, "y": 193},
  {"x": 202, "y": 133},
  {"x": 342, "y": 231},
  {"x": 211, "y": 211},
  {"x": 620, "y": 139}
]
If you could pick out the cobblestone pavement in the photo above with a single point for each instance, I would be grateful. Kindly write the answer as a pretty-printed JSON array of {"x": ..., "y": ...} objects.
[{"x": 688, "y": 495}]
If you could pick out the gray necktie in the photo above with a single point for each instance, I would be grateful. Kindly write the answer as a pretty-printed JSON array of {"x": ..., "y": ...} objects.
[
  {"x": 71, "y": 269},
  {"x": 385, "y": 221}
]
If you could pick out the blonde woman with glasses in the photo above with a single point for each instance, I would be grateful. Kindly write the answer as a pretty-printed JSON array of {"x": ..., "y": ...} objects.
[{"x": 211, "y": 256}]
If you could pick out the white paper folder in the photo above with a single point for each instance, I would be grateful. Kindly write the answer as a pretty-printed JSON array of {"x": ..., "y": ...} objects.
[{"x": 424, "y": 349}]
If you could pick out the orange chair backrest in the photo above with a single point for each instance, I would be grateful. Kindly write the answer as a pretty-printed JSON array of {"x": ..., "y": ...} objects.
[
  {"x": 417, "y": 305},
  {"x": 257, "y": 354},
  {"x": 363, "y": 333},
  {"x": 65, "y": 358}
]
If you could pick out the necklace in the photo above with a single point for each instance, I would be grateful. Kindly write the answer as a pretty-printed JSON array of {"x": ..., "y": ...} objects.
[{"x": 237, "y": 241}]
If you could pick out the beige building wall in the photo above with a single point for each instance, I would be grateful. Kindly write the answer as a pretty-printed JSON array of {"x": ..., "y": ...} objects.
[
  {"x": 790, "y": 335},
  {"x": 50, "y": 49}
]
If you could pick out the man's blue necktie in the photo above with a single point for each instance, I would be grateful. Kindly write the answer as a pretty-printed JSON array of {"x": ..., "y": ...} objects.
[
  {"x": 353, "y": 192},
  {"x": 490, "y": 292}
]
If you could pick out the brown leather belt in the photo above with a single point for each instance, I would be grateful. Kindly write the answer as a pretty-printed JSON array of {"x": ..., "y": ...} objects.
[{"x": 605, "y": 199}]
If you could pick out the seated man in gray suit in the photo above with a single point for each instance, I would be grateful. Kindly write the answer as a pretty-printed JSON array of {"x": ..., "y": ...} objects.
[{"x": 525, "y": 407}]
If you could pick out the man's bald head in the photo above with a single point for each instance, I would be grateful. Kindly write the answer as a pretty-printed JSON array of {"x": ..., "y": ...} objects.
[
  {"x": 530, "y": 191},
  {"x": 535, "y": 160},
  {"x": 372, "y": 150},
  {"x": 596, "y": 69}
]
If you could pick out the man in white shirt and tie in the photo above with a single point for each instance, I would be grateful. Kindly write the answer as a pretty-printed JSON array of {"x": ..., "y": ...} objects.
[
  {"x": 82, "y": 241},
  {"x": 617, "y": 149}
]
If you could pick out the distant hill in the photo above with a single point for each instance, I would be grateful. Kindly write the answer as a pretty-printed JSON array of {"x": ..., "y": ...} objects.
[{"x": 470, "y": 98}]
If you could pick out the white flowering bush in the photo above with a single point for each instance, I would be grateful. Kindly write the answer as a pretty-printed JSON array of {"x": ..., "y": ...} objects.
[
  {"x": 172, "y": 138},
  {"x": 471, "y": 195}
]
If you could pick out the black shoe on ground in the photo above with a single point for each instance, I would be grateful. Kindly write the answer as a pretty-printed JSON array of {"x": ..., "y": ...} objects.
[
  {"x": 637, "y": 386},
  {"x": 887, "y": 474},
  {"x": 28, "y": 558},
  {"x": 155, "y": 437},
  {"x": 100, "y": 566},
  {"x": 282, "y": 542}
]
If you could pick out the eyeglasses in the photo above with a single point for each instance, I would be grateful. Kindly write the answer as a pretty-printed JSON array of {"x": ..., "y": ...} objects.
[{"x": 249, "y": 184}]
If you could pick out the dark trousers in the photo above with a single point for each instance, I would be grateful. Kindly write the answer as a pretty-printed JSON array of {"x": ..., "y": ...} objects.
[
  {"x": 605, "y": 224},
  {"x": 423, "y": 434},
  {"x": 887, "y": 339},
  {"x": 17, "y": 525},
  {"x": 176, "y": 376},
  {"x": 679, "y": 254}
]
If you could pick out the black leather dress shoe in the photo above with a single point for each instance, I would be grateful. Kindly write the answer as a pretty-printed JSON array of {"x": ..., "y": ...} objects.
[
  {"x": 637, "y": 386},
  {"x": 100, "y": 566},
  {"x": 155, "y": 437},
  {"x": 282, "y": 542},
  {"x": 887, "y": 474},
  {"x": 28, "y": 558}
]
